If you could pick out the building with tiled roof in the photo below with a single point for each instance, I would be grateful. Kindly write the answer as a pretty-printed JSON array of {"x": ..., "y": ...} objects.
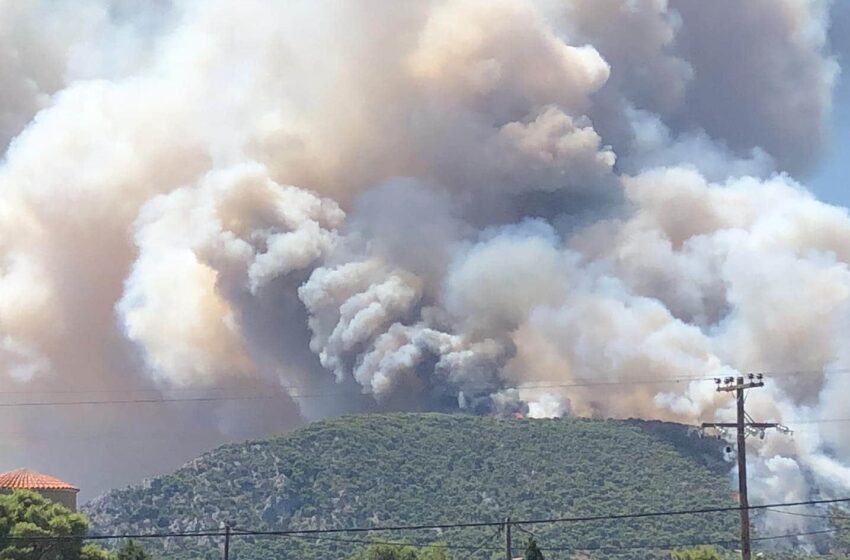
[{"x": 50, "y": 487}]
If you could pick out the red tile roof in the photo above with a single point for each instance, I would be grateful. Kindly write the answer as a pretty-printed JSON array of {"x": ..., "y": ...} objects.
[{"x": 27, "y": 479}]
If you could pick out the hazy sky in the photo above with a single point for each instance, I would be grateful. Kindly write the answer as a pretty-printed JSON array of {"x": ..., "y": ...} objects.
[{"x": 831, "y": 182}]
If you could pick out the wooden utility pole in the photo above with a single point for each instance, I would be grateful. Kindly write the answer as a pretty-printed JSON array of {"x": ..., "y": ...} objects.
[
  {"x": 508, "y": 544},
  {"x": 738, "y": 386},
  {"x": 227, "y": 541}
]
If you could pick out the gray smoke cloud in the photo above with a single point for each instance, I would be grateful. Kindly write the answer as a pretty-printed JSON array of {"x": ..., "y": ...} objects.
[{"x": 465, "y": 204}]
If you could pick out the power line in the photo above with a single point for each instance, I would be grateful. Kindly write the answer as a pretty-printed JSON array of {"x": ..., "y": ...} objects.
[
  {"x": 125, "y": 390},
  {"x": 813, "y": 371},
  {"x": 667, "y": 546},
  {"x": 246, "y": 533},
  {"x": 186, "y": 436},
  {"x": 810, "y": 515},
  {"x": 819, "y": 421},
  {"x": 135, "y": 536},
  {"x": 578, "y": 383},
  {"x": 172, "y": 434},
  {"x": 149, "y": 401},
  {"x": 471, "y": 524},
  {"x": 552, "y": 548},
  {"x": 606, "y": 517},
  {"x": 540, "y": 384},
  {"x": 295, "y": 395},
  {"x": 531, "y": 384},
  {"x": 473, "y": 548}
]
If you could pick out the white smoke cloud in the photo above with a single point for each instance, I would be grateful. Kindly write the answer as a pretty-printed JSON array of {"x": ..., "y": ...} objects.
[
  {"x": 237, "y": 227},
  {"x": 430, "y": 205},
  {"x": 352, "y": 304},
  {"x": 504, "y": 54},
  {"x": 752, "y": 75},
  {"x": 653, "y": 145},
  {"x": 762, "y": 103}
]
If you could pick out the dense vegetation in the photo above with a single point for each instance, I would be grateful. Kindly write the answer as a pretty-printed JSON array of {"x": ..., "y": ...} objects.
[
  {"x": 33, "y": 528},
  {"x": 401, "y": 552},
  {"x": 429, "y": 468}
]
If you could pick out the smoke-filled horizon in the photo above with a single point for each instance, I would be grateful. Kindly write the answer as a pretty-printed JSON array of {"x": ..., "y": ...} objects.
[{"x": 435, "y": 205}]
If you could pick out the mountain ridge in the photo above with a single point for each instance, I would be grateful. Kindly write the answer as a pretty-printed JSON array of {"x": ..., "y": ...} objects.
[{"x": 412, "y": 468}]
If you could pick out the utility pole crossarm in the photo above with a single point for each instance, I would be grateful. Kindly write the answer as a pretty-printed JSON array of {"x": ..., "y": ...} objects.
[
  {"x": 740, "y": 385},
  {"x": 729, "y": 425}
]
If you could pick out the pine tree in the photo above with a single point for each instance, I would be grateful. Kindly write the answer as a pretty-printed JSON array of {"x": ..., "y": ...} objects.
[
  {"x": 132, "y": 551},
  {"x": 532, "y": 551},
  {"x": 28, "y": 521},
  {"x": 698, "y": 553}
]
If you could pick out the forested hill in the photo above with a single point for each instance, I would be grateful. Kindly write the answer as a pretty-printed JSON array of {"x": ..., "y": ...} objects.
[{"x": 372, "y": 470}]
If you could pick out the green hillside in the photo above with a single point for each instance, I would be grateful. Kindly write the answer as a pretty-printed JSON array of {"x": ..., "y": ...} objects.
[{"x": 372, "y": 470}]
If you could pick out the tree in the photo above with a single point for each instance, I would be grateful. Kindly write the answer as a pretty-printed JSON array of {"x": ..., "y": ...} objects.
[
  {"x": 402, "y": 552},
  {"x": 840, "y": 521},
  {"x": 532, "y": 551},
  {"x": 132, "y": 551},
  {"x": 90, "y": 552},
  {"x": 28, "y": 521},
  {"x": 698, "y": 553}
]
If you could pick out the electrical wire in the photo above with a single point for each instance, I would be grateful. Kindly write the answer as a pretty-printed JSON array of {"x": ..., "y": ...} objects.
[
  {"x": 542, "y": 384},
  {"x": 460, "y": 525},
  {"x": 149, "y": 401},
  {"x": 293, "y": 394},
  {"x": 608, "y": 517},
  {"x": 133, "y": 536},
  {"x": 556, "y": 548},
  {"x": 668, "y": 546},
  {"x": 297, "y": 396},
  {"x": 481, "y": 547},
  {"x": 449, "y": 546},
  {"x": 810, "y": 515}
]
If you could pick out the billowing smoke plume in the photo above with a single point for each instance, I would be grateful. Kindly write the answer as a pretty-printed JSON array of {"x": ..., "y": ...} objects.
[{"x": 461, "y": 204}]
